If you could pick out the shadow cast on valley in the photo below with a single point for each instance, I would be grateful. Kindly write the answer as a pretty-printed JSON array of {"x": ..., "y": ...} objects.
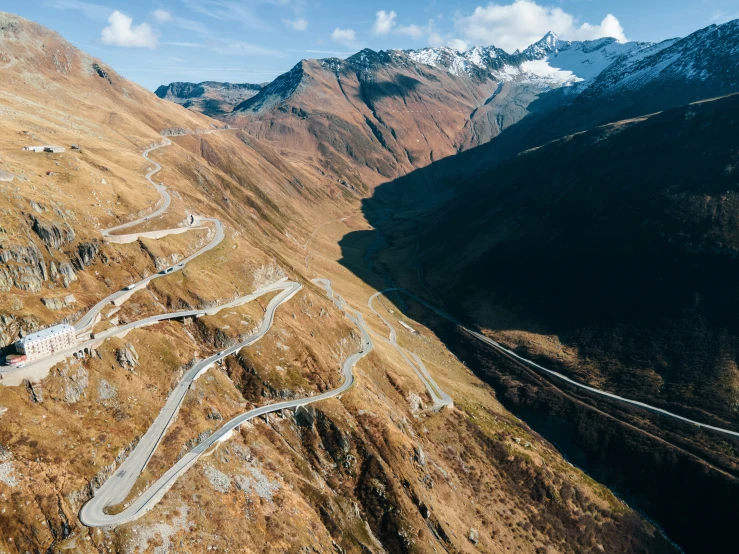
[{"x": 662, "y": 467}]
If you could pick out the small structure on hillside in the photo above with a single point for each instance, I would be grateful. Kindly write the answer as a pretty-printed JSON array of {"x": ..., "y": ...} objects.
[
  {"x": 46, "y": 342},
  {"x": 45, "y": 148}
]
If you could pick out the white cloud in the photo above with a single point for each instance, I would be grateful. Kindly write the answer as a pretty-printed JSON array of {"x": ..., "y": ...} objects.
[
  {"x": 229, "y": 10},
  {"x": 609, "y": 27},
  {"x": 162, "y": 15},
  {"x": 413, "y": 31},
  {"x": 344, "y": 36},
  {"x": 297, "y": 24},
  {"x": 722, "y": 16},
  {"x": 122, "y": 32},
  {"x": 233, "y": 47},
  {"x": 384, "y": 22},
  {"x": 189, "y": 25},
  {"x": 184, "y": 44},
  {"x": 436, "y": 40},
  {"x": 458, "y": 44},
  {"x": 517, "y": 25}
]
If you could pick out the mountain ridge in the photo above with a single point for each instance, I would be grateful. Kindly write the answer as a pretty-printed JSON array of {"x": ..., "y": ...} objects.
[{"x": 212, "y": 98}]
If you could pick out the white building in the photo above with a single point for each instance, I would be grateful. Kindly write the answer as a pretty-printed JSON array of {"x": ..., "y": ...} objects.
[
  {"x": 47, "y": 342},
  {"x": 45, "y": 148}
]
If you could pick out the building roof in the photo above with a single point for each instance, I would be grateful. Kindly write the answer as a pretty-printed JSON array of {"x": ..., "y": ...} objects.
[{"x": 46, "y": 333}]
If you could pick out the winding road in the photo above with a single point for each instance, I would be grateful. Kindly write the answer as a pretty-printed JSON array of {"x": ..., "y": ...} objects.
[
  {"x": 440, "y": 398},
  {"x": 510, "y": 353},
  {"x": 118, "y": 486},
  {"x": 91, "y": 317}
]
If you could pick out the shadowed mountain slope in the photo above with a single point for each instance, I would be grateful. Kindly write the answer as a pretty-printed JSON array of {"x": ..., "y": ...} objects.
[{"x": 621, "y": 241}]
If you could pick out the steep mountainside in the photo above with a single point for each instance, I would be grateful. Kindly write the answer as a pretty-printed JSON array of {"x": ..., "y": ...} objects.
[
  {"x": 378, "y": 115},
  {"x": 379, "y": 469},
  {"x": 209, "y": 97},
  {"x": 609, "y": 256},
  {"x": 624, "y": 235}
]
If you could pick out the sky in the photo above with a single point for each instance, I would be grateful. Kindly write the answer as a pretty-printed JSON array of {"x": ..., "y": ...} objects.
[{"x": 155, "y": 42}]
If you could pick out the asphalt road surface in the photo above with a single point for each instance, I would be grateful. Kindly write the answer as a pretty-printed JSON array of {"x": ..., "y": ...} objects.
[
  {"x": 118, "y": 486},
  {"x": 440, "y": 398},
  {"x": 89, "y": 319}
]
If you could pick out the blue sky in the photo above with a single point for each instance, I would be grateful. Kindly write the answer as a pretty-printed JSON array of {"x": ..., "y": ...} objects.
[{"x": 156, "y": 42}]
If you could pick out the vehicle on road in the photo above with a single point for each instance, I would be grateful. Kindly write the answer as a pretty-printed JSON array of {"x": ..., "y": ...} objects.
[{"x": 129, "y": 287}]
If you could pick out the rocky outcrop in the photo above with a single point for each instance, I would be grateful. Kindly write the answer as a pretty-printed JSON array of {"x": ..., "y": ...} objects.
[
  {"x": 127, "y": 357},
  {"x": 209, "y": 97},
  {"x": 34, "y": 391},
  {"x": 86, "y": 254},
  {"x": 175, "y": 132},
  {"x": 22, "y": 267},
  {"x": 106, "y": 391},
  {"x": 55, "y": 235},
  {"x": 101, "y": 72},
  {"x": 11, "y": 327},
  {"x": 65, "y": 271},
  {"x": 75, "y": 380},
  {"x": 59, "y": 302}
]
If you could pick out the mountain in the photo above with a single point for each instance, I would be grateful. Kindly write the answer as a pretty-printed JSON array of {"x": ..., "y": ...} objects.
[
  {"x": 619, "y": 235},
  {"x": 209, "y": 97},
  {"x": 380, "y": 468},
  {"x": 642, "y": 81},
  {"x": 609, "y": 256},
  {"x": 596, "y": 238},
  {"x": 378, "y": 115}
]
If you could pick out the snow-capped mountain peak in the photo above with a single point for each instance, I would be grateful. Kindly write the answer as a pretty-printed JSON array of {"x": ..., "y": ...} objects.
[
  {"x": 548, "y": 63},
  {"x": 547, "y": 44}
]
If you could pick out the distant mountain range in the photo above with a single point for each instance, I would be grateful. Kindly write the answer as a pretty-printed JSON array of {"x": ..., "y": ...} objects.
[
  {"x": 379, "y": 115},
  {"x": 209, "y": 97}
]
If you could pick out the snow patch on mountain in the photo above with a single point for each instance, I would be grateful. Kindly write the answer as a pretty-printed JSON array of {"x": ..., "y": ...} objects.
[
  {"x": 550, "y": 62},
  {"x": 709, "y": 54},
  {"x": 540, "y": 72}
]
